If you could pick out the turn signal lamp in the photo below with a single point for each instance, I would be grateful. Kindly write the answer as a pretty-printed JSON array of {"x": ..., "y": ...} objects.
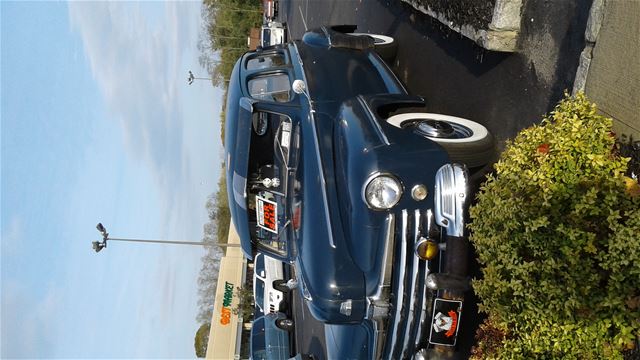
[{"x": 426, "y": 249}]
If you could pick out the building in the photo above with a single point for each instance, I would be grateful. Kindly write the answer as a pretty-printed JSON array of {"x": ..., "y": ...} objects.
[{"x": 226, "y": 328}]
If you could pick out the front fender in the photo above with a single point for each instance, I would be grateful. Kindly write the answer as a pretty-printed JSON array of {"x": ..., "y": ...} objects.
[
  {"x": 365, "y": 145},
  {"x": 328, "y": 311}
]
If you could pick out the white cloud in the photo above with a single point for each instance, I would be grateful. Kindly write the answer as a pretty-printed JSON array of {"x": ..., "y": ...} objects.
[
  {"x": 136, "y": 54},
  {"x": 13, "y": 234},
  {"x": 35, "y": 326}
]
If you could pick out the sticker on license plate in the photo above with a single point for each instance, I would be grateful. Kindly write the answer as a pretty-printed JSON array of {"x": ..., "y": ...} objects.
[{"x": 445, "y": 322}]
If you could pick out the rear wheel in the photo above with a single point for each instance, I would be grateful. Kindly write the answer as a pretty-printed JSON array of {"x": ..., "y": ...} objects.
[
  {"x": 385, "y": 46},
  {"x": 466, "y": 141},
  {"x": 285, "y": 324}
]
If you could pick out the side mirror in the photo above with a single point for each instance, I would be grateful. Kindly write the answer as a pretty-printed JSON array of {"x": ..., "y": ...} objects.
[{"x": 299, "y": 87}]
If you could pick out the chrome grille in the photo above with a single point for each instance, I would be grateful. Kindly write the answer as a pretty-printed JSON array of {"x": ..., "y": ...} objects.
[{"x": 406, "y": 322}]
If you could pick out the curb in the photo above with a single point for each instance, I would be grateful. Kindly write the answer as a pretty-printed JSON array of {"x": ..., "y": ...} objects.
[
  {"x": 502, "y": 33},
  {"x": 596, "y": 14}
]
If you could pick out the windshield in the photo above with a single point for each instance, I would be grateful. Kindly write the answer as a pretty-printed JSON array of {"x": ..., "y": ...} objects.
[
  {"x": 267, "y": 183},
  {"x": 266, "y": 37}
]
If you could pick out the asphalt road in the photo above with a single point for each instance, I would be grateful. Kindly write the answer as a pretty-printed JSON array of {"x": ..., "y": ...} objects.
[
  {"x": 309, "y": 332},
  {"x": 505, "y": 92}
]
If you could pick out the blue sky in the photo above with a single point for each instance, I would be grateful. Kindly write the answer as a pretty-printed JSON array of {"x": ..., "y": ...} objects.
[{"x": 99, "y": 124}]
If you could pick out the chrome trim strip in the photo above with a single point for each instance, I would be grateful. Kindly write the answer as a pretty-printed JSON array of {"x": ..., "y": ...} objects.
[
  {"x": 414, "y": 278},
  {"x": 387, "y": 260},
  {"x": 450, "y": 195},
  {"x": 399, "y": 298},
  {"x": 379, "y": 334},
  {"x": 323, "y": 182}
]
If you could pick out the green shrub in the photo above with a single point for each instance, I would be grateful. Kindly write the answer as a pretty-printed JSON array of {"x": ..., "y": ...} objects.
[{"x": 557, "y": 235}]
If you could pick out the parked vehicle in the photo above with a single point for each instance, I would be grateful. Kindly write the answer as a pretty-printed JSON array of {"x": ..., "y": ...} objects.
[
  {"x": 270, "y": 338},
  {"x": 330, "y": 167},
  {"x": 270, "y": 9},
  {"x": 268, "y": 277},
  {"x": 273, "y": 33}
]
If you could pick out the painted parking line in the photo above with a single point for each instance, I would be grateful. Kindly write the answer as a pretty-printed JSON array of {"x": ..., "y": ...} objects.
[{"x": 304, "y": 22}]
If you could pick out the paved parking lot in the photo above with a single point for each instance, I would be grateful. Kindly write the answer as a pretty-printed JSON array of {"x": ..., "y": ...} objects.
[{"x": 506, "y": 92}]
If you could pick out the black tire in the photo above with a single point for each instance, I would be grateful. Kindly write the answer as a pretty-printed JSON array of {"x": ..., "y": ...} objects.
[
  {"x": 466, "y": 141},
  {"x": 385, "y": 46},
  {"x": 281, "y": 286},
  {"x": 283, "y": 307},
  {"x": 285, "y": 324}
]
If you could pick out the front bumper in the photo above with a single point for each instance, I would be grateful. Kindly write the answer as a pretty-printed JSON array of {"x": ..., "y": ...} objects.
[{"x": 402, "y": 310}]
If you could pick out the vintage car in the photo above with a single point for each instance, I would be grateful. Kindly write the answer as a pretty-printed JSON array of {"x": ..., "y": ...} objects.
[
  {"x": 333, "y": 167},
  {"x": 270, "y": 338}
]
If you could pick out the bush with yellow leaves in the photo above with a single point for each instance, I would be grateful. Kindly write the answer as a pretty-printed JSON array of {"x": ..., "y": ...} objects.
[{"x": 558, "y": 237}]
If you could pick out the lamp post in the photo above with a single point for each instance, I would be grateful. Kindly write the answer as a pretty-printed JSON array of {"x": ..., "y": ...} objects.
[
  {"x": 99, "y": 245},
  {"x": 192, "y": 77}
]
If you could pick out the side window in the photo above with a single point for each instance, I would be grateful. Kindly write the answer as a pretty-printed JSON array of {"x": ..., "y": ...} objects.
[
  {"x": 265, "y": 61},
  {"x": 259, "y": 293},
  {"x": 259, "y": 265},
  {"x": 274, "y": 87}
]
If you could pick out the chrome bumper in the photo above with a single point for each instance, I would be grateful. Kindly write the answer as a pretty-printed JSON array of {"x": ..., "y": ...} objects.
[{"x": 401, "y": 308}]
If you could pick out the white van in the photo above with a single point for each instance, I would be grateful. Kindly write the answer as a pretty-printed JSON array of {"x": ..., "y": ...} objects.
[
  {"x": 273, "y": 33},
  {"x": 266, "y": 272}
]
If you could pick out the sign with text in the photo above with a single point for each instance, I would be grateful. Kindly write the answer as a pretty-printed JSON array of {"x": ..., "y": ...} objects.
[{"x": 267, "y": 214}]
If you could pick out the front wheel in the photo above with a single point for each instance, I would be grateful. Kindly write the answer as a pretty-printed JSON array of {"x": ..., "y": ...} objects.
[
  {"x": 466, "y": 141},
  {"x": 281, "y": 286},
  {"x": 385, "y": 46},
  {"x": 285, "y": 324}
]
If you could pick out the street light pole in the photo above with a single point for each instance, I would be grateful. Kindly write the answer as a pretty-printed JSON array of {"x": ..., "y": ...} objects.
[
  {"x": 192, "y": 77},
  {"x": 98, "y": 246}
]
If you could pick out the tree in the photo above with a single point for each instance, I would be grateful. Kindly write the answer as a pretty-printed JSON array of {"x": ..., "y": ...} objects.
[
  {"x": 227, "y": 23},
  {"x": 202, "y": 340},
  {"x": 246, "y": 303}
]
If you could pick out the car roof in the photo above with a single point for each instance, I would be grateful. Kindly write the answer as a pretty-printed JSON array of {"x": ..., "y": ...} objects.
[{"x": 237, "y": 135}]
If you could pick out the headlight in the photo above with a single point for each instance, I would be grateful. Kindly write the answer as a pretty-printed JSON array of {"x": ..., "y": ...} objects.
[{"x": 382, "y": 192}]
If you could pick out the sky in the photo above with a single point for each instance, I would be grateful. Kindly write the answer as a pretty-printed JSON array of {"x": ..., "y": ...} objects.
[{"x": 100, "y": 125}]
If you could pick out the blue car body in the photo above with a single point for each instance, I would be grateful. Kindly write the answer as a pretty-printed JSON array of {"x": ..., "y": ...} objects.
[{"x": 300, "y": 196}]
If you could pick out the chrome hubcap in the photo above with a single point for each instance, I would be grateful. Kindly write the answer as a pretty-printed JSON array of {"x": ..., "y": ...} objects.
[{"x": 442, "y": 129}]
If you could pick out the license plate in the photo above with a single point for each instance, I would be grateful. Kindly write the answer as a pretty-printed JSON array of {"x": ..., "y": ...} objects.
[{"x": 445, "y": 322}]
